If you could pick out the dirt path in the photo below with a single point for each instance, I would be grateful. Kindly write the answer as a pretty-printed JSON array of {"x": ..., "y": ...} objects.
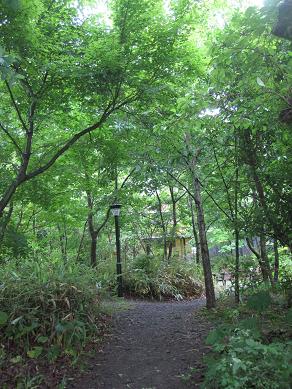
[{"x": 153, "y": 346}]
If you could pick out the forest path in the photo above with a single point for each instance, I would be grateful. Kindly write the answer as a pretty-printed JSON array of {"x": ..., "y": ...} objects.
[{"x": 153, "y": 346}]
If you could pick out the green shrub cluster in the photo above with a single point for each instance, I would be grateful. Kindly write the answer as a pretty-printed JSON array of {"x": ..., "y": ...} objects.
[
  {"x": 245, "y": 362},
  {"x": 150, "y": 277},
  {"x": 251, "y": 346},
  {"x": 47, "y": 309}
]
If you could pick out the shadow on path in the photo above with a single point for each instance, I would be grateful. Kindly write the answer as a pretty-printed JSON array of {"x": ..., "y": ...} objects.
[{"x": 153, "y": 346}]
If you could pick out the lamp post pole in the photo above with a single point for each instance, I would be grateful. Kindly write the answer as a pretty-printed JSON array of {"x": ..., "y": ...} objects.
[{"x": 116, "y": 212}]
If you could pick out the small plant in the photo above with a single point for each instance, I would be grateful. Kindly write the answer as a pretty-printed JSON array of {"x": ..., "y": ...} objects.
[
  {"x": 244, "y": 362},
  {"x": 187, "y": 377}
]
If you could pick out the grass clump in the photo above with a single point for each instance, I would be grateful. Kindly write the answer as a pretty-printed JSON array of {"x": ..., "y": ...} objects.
[{"x": 48, "y": 311}]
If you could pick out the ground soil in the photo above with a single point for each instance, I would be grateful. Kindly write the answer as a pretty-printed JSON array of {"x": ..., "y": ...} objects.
[{"x": 153, "y": 346}]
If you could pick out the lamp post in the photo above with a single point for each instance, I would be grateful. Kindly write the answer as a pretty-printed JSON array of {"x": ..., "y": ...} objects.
[{"x": 116, "y": 209}]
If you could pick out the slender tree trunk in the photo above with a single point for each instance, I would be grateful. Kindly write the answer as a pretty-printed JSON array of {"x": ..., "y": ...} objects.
[
  {"x": 148, "y": 249},
  {"x": 5, "y": 221},
  {"x": 8, "y": 196},
  {"x": 192, "y": 166},
  {"x": 236, "y": 228},
  {"x": 162, "y": 223},
  {"x": 92, "y": 232},
  {"x": 195, "y": 233},
  {"x": 209, "y": 286},
  {"x": 237, "y": 259},
  {"x": 276, "y": 263},
  {"x": 174, "y": 223},
  {"x": 259, "y": 258},
  {"x": 93, "y": 245}
]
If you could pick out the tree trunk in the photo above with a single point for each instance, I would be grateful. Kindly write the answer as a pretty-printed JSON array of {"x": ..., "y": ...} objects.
[
  {"x": 93, "y": 236},
  {"x": 162, "y": 223},
  {"x": 4, "y": 222},
  {"x": 8, "y": 196},
  {"x": 236, "y": 275},
  {"x": 210, "y": 293},
  {"x": 148, "y": 249},
  {"x": 174, "y": 222},
  {"x": 259, "y": 258},
  {"x": 195, "y": 233},
  {"x": 208, "y": 278},
  {"x": 235, "y": 217},
  {"x": 276, "y": 263}
]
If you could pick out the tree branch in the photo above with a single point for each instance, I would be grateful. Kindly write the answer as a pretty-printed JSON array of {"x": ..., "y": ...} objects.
[
  {"x": 11, "y": 138},
  {"x": 16, "y": 107}
]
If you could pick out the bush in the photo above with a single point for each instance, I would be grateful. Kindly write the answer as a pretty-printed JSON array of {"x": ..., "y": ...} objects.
[
  {"x": 245, "y": 362},
  {"x": 251, "y": 346},
  {"x": 151, "y": 277},
  {"x": 47, "y": 309}
]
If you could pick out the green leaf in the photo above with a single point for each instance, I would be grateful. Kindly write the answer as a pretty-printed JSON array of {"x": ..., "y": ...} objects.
[
  {"x": 16, "y": 359},
  {"x": 42, "y": 339},
  {"x": 3, "y": 318},
  {"x": 35, "y": 352}
]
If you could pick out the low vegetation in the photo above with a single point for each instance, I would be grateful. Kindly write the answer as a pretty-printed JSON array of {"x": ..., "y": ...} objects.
[
  {"x": 154, "y": 278},
  {"x": 48, "y": 312},
  {"x": 251, "y": 344}
]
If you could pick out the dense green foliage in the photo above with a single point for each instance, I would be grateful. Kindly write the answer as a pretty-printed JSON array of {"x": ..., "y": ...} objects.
[
  {"x": 48, "y": 311},
  {"x": 149, "y": 277},
  {"x": 249, "y": 363},
  {"x": 180, "y": 111},
  {"x": 250, "y": 346}
]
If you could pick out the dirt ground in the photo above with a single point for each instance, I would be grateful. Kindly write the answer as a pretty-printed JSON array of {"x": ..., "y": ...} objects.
[{"x": 153, "y": 346}]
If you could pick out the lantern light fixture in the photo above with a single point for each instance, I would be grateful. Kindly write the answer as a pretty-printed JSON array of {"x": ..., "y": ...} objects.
[{"x": 116, "y": 209}]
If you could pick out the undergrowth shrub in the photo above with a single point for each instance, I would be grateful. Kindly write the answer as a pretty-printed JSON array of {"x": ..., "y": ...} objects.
[
  {"x": 244, "y": 362},
  {"x": 251, "y": 346},
  {"x": 47, "y": 309},
  {"x": 151, "y": 277}
]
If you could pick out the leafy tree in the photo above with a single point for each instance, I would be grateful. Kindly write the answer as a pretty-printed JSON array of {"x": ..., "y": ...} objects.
[{"x": 60, "y": 62}]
